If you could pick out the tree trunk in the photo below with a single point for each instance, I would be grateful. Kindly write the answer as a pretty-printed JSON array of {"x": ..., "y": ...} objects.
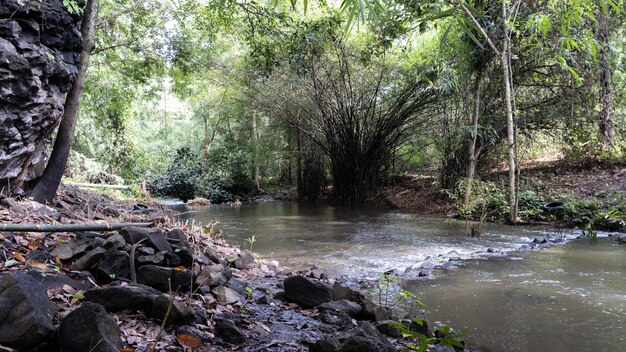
[
  {"x": 504, "y": 58},
  {"x": 606, "y": 101},
  {"x": 205, "y": 121},
  {"x": 255, "y": 139},
  {"x": 46, "y": 188},
  {"x": 471, "y": 165}
]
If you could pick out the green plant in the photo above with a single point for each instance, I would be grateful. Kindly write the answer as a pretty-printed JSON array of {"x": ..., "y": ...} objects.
[
  {"x": 389, "y": 292},
  {"x": 443, "y": 335},
  {"x": 251, "y": 240}
]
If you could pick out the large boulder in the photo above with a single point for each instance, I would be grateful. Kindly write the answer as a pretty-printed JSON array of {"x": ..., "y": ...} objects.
[
  {"x": 305, "y": 292},
  {"x": 153, "y": 303},
  {"x": 26, "y": 312},
  {"x": 40, "y": 44},
  {"x": 89, "y": 328}
]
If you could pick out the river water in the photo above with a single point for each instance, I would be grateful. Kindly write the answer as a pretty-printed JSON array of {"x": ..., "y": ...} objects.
[{"x": 569, "y": 297}]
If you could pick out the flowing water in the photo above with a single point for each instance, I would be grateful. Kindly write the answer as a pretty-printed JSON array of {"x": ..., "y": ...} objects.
[{"x": 569, "y": 297}]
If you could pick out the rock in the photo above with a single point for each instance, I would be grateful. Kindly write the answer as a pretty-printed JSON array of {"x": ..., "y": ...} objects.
[
  {"x": 244, "y": 260},
  {"x": 386, "y": 327},
  {"x": 372, "y": 311},
  {"x": 306, "y": 293},
  {"x": 172, "y": 260},
  {"x": 422, "y": 328},
  {"x": 70, "y": 249},
  {"x": 366, "y": 338},
  {"x": 238, "y": 285},
  {"x": 114, "y": 241},
  {"x": 228, "y": 331},
  {"x": 212, "y": 276},
  {"x": 178, "y": 239},
  {"x": 211, "y": 254},
  {"x": 40, "y": 44},
  {"x": 156, "y": 259},
  {"x": 186, "y": 257},
  {"x": 157, "y": 277},
  {"x": 350, "y": 308},
  {"x": 188, "y": 330},
  {"x": 26, "y": 312},
  {"x": 326, "y": 345},
  {"x": 336, "y": 318},
  {"x": 114, "y": 264},
  {"x": 363, "y": 338},
  {"x": 140, "y": 298},
  {"x": 225, "y": 295},
  {"x": 89, "y": 260},
  {"x": 56, "y": 281},
  {"x": 89, "y": 328},
  {"x": 141, "y": 208},
  {"x": 345, "y": 292},
  {"x": 154, "y": 237},
  {"x": 317, "y": 273}
]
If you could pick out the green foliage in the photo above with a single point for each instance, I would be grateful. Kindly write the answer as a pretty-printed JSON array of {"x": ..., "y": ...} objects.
[
  {"x": 389, "y": 292},
  {"x": 251, "y": 240},
  {"x": 487, "y": 200},
  {"x": 180, "y": 179},
  {"x": 443, "y": 335},
  {"x": 189, "y": 174}
]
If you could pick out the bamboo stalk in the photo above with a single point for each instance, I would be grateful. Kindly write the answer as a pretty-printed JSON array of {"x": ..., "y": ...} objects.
[
  {"x": 69, "y": 227},
  {"x": 95, "y": 185}
]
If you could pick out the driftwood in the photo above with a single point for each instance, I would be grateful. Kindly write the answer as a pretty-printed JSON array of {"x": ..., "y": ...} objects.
[
  {"x": 96, "y": 185},
  {"x": 69, "y": 227}
]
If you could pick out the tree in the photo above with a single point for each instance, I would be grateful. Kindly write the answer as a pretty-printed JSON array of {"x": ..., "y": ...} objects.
[{"x": 46, "y": 187}]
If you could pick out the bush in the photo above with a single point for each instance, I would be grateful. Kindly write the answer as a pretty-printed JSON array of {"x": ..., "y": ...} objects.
[
  {"x": 181, "y": 177},
  {"x": 189, "y": 174}
]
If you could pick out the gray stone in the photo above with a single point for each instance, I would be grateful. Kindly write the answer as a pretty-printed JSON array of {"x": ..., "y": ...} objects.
[
  {"x": 244, "y": 260},
  {"x": 89, "y": 328},
  {"x": 178, "y": 238},
  {"x": 305, "y": 292},
  {"x": 89, "y": 260},
  {"x": 114, "y": 264},
  {"x": 140, "y": 298},
  {"x": 211, "y": 254},
  {"x": 212, "y": 276},
  {"x": 114, "y": 241},
  {"x": 155, "y": 237},
  {"x": 26, "y": 312},
  {"x": 157, "y": 277},
  {"x": 228, "y": 331},
  {"x": 386, "y": 327},
  {"x": 341, "y": 291},
  {"x": 348, "y": 307},
  {"x": 225, "y": 295},
  {"x": 156, "y": 259}
]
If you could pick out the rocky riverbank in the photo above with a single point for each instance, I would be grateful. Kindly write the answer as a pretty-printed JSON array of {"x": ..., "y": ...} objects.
[{"x": 170, "y": 287}]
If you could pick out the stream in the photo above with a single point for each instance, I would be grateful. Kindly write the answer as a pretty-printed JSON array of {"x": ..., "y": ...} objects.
[{"x": 568, "y": 297}]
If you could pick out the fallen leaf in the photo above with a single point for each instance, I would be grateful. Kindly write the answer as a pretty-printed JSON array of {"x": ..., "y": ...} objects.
[
  {"x": 37, "y": 264},
  {"x": 32, "y": 245},
  {"x": 69, "y": 289},
  {"x": 19, "y": 257},
  {"x": 188, "y": 341}
]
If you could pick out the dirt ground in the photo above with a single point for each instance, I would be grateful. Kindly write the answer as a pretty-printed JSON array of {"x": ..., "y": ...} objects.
[{"x": 603, "y": 181}]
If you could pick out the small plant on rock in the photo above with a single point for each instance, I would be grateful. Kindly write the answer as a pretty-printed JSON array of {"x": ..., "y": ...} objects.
[{"x": 443, "y": 335}]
